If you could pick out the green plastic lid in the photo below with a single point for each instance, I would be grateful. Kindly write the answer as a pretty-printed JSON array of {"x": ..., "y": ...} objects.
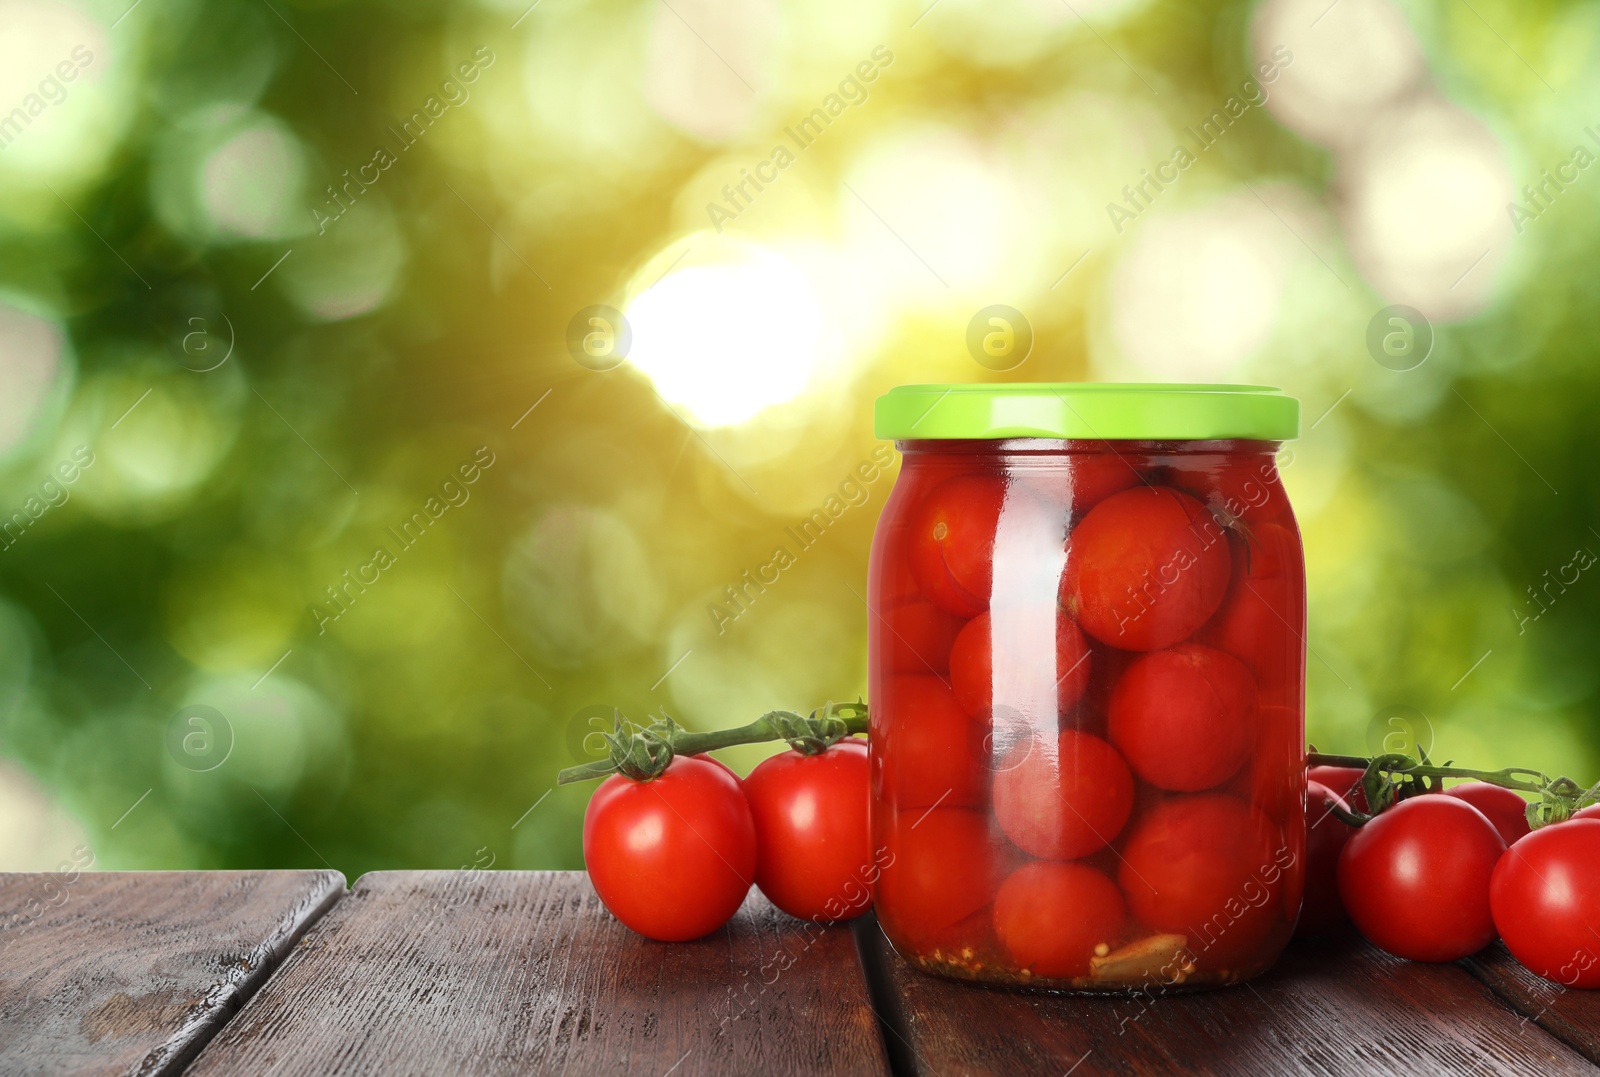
[{"x": 1096, "y": 411}]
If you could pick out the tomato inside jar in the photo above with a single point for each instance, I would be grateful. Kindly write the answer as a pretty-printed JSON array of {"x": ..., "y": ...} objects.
[{"x": 1087, "y": 678}]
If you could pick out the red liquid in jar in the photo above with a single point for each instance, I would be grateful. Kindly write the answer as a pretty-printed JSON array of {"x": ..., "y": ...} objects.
[{"x": 1087, "y": 683}]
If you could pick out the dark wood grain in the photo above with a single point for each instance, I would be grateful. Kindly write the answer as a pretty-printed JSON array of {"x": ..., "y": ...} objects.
[
  {"x": 525, "y": 972},
  {"x": 1570, "y": 1015},
  {"x": 132, "y": 972},
  {"x": 1331, "y": 1008}
]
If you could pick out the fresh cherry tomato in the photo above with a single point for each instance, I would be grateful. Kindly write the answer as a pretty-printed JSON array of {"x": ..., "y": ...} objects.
[
  {"x": 952, "y": 542},
  {"x": 925, "y": 750},
  {"x": 1064, "y": 799},
  {"x": 974, "y": 680},
  {"x": 941, "y": 867},
  {"x": 1415, "y": 880},
  {"x": 1050, "y": 916},
  {"x": 714, "y": 761},
  {"x": 1343, "y": 781},
  {"x": 917, "y": 637},
  {"x": 672, "y": 857},
  {"x": 1208, "y": 866},
  {"x": 1145, "y": 568},
  {"x": 813, "y": 849},
  {"x": 1591, "y": 812},
  {"x": 1322, "y": 913},
  {"x": 1184, "y": 718},
  {"x": 1545, "y": 896},
  {"x": 1507, "y": 811}
]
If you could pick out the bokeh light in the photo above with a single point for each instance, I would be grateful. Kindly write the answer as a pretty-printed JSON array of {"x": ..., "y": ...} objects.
[
  {"x": 33, "y": 368},
  {"x": 1197, "y": 294},
  {"x": 932, "y": 212},
  {"x": 54, "y": 55},
  {"x": 1426, "y": 195},
  {"x": 1347, "y": 61},
  {"x": 226, "y": 172},
  {"x": 318, "y": 454},
  {"x": 702, "y": 333},
  {"x": 710, "y": 86}
]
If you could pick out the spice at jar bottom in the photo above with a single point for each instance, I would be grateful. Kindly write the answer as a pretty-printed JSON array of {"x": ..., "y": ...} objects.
[{"x": 1087, "y": 679}]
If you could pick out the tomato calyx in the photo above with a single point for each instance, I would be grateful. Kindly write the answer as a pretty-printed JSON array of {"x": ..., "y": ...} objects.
[
  {"x": 644, "y": 752},
  {"x": 1562, "y": 800},
  {"x": 1396, "y": 776},
  {"x": 813, "y": 734}
]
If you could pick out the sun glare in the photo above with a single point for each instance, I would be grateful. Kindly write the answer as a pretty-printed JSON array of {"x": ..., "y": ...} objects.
[{"x": 724, "y": 339}]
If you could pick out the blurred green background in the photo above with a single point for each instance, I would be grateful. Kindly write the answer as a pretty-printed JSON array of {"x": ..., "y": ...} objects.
[{"x": 335, "y": 518}]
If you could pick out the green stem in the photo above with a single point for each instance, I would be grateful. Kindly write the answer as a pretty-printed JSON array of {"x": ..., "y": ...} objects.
[
  {"x": 1404, "y": 764},
  {"x": 1558, "y": 797},
  {"x": 646, "y": 752}
]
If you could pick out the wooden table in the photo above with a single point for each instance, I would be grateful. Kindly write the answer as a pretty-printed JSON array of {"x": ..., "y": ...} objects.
[{"x": 287, "y": 972}]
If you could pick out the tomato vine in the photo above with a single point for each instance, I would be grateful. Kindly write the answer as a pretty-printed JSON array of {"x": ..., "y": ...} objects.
[
  {"x": 644, "y": 752},
  {"x": 1396, "y": 776}
]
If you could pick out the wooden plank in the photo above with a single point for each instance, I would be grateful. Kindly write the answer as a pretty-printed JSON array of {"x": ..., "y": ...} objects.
[
  {"x": 1570, "y": 1015},
  {"x": 132, "y": 972},
  {"x": 1330, "y": 1008},
  {"x": 525, "y": 972}
]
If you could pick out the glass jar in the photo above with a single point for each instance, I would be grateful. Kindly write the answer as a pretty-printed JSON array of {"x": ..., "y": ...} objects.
[{"x": 1087, "y": 677}]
